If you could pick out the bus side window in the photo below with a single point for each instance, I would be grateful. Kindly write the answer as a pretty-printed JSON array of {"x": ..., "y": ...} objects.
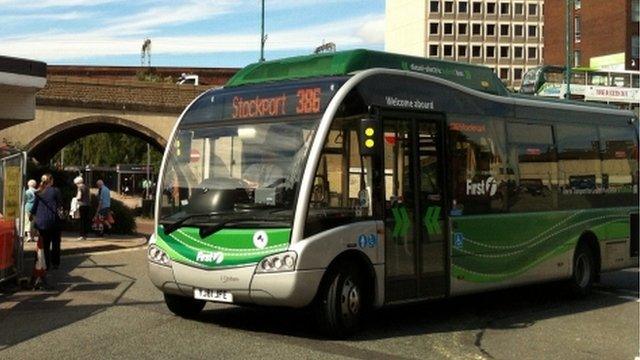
[
  {"x": 341, "y": 191},
  {"x": 619, "y": 153},
  {"x": 533, "y": 159},
  {"x": 481, "y": 180},
  {"x": 579, "y": 170}
]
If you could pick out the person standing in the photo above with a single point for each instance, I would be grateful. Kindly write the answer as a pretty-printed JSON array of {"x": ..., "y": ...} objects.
[
  {"x": 29, "y": 198},
  {"x": 104, "y": 204},
  {"x": 84, "y": 207},
  {"x": 47, "y": 221}
]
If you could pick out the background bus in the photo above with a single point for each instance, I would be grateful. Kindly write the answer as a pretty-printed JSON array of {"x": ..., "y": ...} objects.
[{"x": 620, "y": 88}]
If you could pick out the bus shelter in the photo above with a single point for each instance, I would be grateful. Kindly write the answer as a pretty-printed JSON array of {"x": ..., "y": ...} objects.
[{"x": 12, "y": 174}]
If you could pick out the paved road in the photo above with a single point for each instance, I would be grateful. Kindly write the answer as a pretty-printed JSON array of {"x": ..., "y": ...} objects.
[{"x": 103, "y": 306}]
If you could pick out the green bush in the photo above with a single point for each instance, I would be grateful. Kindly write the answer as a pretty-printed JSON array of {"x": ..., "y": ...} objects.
[{"x": 124, "y": 216}]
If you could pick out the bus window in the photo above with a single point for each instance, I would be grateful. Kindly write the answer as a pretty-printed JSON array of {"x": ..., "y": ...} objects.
[
  {"x": 480, "y": 177},
  {"x": 342, "y": 191},
  {"x": 579, "y": 170},
  {"x": 619, "y": 152},
  {"x": 533, "y": 160}
]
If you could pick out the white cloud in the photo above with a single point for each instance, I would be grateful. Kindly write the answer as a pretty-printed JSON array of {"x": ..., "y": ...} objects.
[
  {"x": 147, "y": 21},
  {"x": 74, "y": 15},
  {"x": 373, "y": 30},
  {"x": 345, "y": 33},
  {"x": 39, "y": 4}
]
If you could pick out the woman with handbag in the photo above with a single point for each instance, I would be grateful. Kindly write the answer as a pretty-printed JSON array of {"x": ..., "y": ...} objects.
[{"x": 46, "y": 209}]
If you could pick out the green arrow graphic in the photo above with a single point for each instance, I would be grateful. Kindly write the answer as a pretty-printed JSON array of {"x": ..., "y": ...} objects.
[
  {"x": 405, "y": 221},
  {"x": 431, "y": 220},
  {"x": 402, "y": 221},
  {"x": 398, "y": 221}
]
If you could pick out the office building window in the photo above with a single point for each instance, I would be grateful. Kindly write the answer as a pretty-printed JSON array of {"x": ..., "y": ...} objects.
[
  {"x": 447, "y": 50},
  {"x": 532, "y": 53},
  {"x": 532, "y": 30},
  {"x": 576, "y": 28},
  {"x": 503, "y": 73},
  {"x": 448, "y": 28},
  {"x": 517, "y": 74},
  {"x": 462, "y": 29},
  {"x": 518, "y": 9},
  {"x": 462, "y": 50},
  {"x": 533, "y": 9},
  {"x": 518, "y": 30},
  {"x": 576, "y": 58},
  {"x": 635, "y": 10},
  {"x": 476, "y": 29},
  {"x": 491, "y": 30},
  {"x": 476, "y": 51},
  {"x": 462, "y": 7},
  {"x": 433, "y": 50},
  {"x": 518, "y": 52},
  {"x": 477, "y": 7},
  {"x": 434, "y": 28},
  {"x": 448, "y": 7},
  {"x": 577, "y": 4},
  {"x": 504, "y": 29},
  {"x": 504, "y": 51},
  {"x": 491, "y": 51},
  {"x": 491, "y": 8},
  {"x": 635, "y": 47},
  {"x": 505, "y": 8},
  {"x": 434, "y": 6}
]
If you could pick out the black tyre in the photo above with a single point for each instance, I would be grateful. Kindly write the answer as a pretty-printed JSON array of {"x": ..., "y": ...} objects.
[
  {"x": 341, "y": 302},
  {"x": 184, "y": 306},
  {"x": 584, "y": 271}
]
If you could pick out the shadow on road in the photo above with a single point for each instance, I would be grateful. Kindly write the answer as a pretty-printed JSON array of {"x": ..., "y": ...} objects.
[
  {"x": 505, "y": 309},
  {"x": 25, "y": 314}
]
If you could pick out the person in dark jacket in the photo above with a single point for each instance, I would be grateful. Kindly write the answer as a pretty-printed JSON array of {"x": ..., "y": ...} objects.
[{"x": 45, "y": 211}]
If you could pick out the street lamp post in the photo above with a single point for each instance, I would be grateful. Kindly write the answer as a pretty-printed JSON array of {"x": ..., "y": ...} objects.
[
  {"x": 262, "y": 37},
  {"x": 568, "y": 48}
]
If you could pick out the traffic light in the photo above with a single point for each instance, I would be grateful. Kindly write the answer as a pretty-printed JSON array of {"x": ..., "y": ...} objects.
[{"x": 368, "y": 137}]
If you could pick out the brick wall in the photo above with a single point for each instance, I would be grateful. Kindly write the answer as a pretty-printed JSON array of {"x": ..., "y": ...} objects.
[{"x": 606, "y": 28}]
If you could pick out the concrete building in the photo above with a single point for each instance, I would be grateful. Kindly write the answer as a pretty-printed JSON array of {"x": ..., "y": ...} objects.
[
  {"x": 605, "y": 33},
  {"x": 506, "y": 35},
  {"x": 20, "y": 79}
]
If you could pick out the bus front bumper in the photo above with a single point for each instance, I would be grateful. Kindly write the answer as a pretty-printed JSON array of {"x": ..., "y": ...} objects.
[{"x": 292, "y": 288}]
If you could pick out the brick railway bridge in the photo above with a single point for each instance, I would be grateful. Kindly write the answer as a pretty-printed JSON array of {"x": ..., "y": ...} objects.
[{"x": 81, "y": 100}]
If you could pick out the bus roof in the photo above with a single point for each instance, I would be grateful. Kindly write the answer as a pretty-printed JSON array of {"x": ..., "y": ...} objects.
[{"x": 347, "y": 62}]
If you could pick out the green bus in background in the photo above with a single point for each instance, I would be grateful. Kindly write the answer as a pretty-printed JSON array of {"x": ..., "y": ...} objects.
[{"x": 352, "y": 180}]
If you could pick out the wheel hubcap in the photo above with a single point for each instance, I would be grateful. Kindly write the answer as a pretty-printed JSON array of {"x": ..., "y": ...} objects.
[
  {"x": 350, "y": 300},
  {"x": 583, "y": 270}
]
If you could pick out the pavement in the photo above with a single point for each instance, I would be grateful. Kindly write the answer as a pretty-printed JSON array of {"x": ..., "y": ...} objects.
[{"x": 104, "y": 306}]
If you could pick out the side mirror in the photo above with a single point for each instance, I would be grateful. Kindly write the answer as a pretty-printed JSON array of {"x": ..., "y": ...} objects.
[{"x": 368, "y": 136}]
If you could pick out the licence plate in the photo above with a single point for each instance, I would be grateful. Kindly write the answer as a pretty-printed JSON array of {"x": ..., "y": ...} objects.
[{"x": 213, "y": 295}]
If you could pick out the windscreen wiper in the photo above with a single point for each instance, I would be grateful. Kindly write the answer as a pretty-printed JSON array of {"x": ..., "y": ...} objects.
[{"x": 168, "y": 229}]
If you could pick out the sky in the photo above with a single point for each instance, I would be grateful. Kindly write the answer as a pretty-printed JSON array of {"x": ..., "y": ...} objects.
[{"x": 204, "y": 33}]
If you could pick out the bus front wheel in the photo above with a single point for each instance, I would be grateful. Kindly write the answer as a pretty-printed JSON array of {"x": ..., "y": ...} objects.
[
  {"x": 584, "y": 271},
  {"x": 184, "y": 306},
  {"x": 341, "y": 301}
]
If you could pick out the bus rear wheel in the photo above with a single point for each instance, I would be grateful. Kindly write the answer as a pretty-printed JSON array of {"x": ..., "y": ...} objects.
[
  {"x": 341, "y": 302},
  {"x": 584, "y": 271},
  {"x": 184, "y": 306}
]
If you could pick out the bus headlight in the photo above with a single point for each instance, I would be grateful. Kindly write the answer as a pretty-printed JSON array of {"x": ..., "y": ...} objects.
[
  {"x": 158, "y": 256},
  {"x": 285, "y": 261}
]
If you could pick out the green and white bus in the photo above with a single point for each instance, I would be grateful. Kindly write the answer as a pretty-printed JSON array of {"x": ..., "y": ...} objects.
[{"x": 352, "y": 180}]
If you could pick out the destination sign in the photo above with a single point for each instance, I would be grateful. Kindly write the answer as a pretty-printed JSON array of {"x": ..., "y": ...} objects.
[{"x": 292, "y": 99}]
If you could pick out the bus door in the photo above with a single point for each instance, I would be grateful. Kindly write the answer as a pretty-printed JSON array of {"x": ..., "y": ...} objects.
[{"x": 414, "y": 213}]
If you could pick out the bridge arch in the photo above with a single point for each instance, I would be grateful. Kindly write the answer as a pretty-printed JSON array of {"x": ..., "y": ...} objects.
[{"x": 45, "y": 145}]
